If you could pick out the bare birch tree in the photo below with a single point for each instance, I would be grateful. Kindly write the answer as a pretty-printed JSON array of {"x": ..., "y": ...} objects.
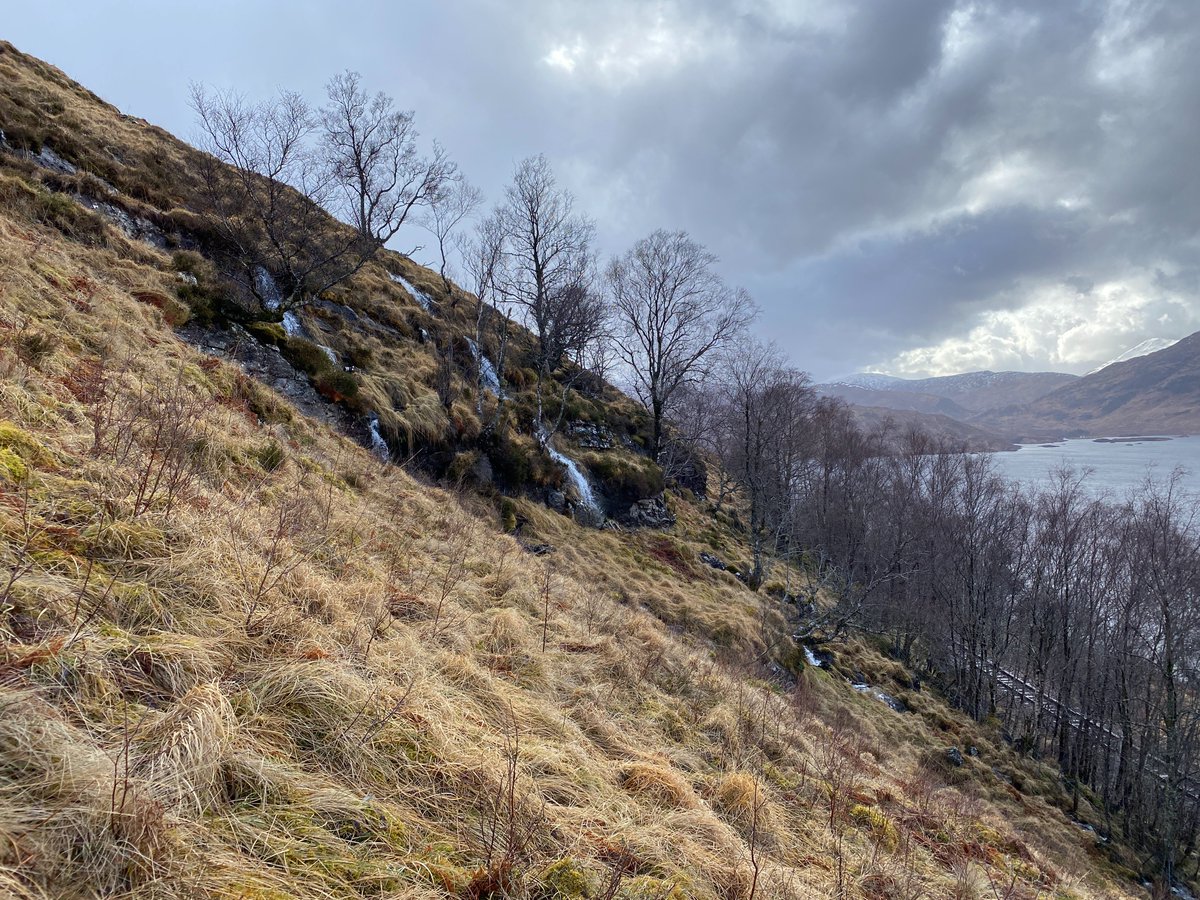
[
  {"x": 379, "y": 175},
  {"x": 671, "y": 311},
  {"x": 551, "y": 269}
]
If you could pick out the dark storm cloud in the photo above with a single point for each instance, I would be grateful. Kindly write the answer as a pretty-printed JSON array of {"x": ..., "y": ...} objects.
[{"x": 920, "y": 185}]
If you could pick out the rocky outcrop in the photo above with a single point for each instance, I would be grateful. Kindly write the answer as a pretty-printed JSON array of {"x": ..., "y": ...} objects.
[
  {"x": 651, "y": 512},
  {"x": 134, "y": 227},
  {"x": 591, "y": 436},
  {"x": 265, "y": 364}
]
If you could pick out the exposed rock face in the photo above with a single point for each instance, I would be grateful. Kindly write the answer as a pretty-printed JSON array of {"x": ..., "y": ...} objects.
[
  {"x": 651, "y": 512},
  {"x": 557, "y": 501},
  {"x": 265, "y": 364},
  {"x": 954, "y": 757},
  {"x": 715, "y": 561},
  {"x": 138, "y": 228},
  {"x": 590, "y": 436}
]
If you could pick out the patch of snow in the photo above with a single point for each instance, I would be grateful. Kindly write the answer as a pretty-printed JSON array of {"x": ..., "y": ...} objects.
[
  {"x": 416, "y": 293},
  {"x": 379, "y": 446},
  {"x": 875, "y": 381},
  {"x": 187, "y": 278},
  {"x": 593, "y": 514},
  {"x": 491, "y": 381},
  {"x": 1145, "y": 348}
]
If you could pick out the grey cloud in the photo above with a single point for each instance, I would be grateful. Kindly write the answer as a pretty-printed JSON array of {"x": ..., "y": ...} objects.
[{"x": 883, "y": 176}]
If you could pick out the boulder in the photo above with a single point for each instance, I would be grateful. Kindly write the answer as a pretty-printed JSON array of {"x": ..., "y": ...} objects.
[
  {"x": 954, "y": 757},
  {"x": 651, "y": 512},
  {"x": 557, "y": 501}
]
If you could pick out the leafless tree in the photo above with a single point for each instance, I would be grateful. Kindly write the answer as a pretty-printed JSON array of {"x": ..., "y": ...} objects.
[
  {"x": 550, "y": 271},
  {"x": 379, "y": 176},
  {"x": 671, "y": 311},
  {"x": 766, "y": 409},
  {"x": 484, "y": 259},
  {"x": 264, "y": 192},
  {"x": 447, "y": 208}
]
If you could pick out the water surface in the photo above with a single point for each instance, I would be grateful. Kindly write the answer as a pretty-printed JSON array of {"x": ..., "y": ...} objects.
[{"x": 1118, "y": 465}]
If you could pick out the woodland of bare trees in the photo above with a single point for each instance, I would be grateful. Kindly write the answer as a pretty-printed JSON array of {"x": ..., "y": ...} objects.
[{"x": 1069, "y": 621}]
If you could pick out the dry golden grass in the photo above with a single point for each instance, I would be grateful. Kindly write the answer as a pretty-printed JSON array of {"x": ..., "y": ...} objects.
[{"x": 239, "y": 658}]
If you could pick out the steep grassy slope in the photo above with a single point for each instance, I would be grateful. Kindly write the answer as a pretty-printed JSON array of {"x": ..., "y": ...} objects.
[{"x": 239, "y": 657}]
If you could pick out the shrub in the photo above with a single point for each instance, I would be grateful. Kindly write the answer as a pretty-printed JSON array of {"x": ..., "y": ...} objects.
[
  {"x": 337, "y": 386},
  {"x": 270, "y": 456},
  {"x": 209, "y": 299},
  {"x": 459, "y": 470},
  {"x": 305, "y": 356},
  {"x": 511, "y": 464},
  {"x": 508, "y": 514}
]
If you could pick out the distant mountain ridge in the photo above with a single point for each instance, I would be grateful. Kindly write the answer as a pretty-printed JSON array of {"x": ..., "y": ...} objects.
[
  {"x": 1157, "y": 393},
  {"x": 969, "y": 393},
  {"x": 935, "y": 403},
  {"x": 1151, "y": 388}
]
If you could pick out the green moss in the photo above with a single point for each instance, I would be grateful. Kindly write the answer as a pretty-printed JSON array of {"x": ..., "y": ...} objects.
[
  {"x": 12, "y": 467},
  {"x": 625, "y": 478},
  {"x": 563, "y": 879},
  {"x": 23, "y": 445},
  {"x": 269, "y": 333},
  {"x": 875, "y": 821}
]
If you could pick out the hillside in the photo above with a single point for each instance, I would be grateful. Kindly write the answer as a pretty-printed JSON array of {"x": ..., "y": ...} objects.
[
  {"x": 243, "y": 653},
  {"x": 946, "y": 430},
  {"x": 957, "y": 408},
  {"x": 1158, "y": 393}
]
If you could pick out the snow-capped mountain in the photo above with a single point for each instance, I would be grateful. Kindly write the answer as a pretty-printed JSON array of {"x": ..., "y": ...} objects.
[{"x": 873, "y": 381}]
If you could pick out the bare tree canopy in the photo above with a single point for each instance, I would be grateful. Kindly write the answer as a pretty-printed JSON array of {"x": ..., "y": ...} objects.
[
  {"x": 264, "y": 192},
  {"x": 278, "y": 169},
  {"x": 551, "y": 268},
  {"x": 447, "y": 208},
  {"x": 484, "y": 259},
  {"x": 671, "y": 312},
  {"x": 379, "y": 175}
]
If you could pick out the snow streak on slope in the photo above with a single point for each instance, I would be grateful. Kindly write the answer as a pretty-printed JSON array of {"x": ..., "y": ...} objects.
[{"x": 1145, "y": 348}]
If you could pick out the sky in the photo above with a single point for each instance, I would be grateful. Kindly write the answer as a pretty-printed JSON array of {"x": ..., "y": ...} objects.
[{"x": 918, "y": 187}]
